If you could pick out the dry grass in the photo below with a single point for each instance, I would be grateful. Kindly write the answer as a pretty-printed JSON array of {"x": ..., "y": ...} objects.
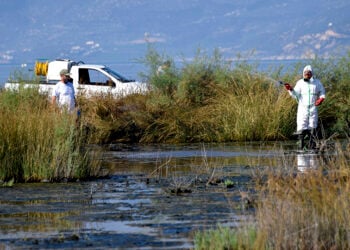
[
  {"x": 309, "y": 210},
  {"x": 39, "y": 143},
  {"x": 296, "y": 210}
]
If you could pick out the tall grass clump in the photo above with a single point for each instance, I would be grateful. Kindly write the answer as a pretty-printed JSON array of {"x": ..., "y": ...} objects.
[
  {"x": 253, "y": 108},
  {"x": 38, "y": 143},
  {"x": 211, "y": 99},
  {"x": 295, "y": 210},
  {"x": 108, "y": 118},
  {"x": 214, "y": 99}
]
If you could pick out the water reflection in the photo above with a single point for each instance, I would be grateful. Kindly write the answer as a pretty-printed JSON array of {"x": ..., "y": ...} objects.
[
  {"x": 238, "y": 157},
  {"x": 307, "y": 162}
]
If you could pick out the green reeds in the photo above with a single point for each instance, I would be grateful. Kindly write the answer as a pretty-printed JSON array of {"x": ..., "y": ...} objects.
[
  {"x": 253, "y": 110},
  {"x": 225, "y": 238},
  {"x": 210, "y": 99},
  {"x": 214, "y": 101},
  {"x": 38, "y": 143}
]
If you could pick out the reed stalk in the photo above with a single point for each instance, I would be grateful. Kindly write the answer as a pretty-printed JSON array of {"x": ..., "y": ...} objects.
[
  {"x": 39, "y": 143},
  {"x": 303, "y": 210}
]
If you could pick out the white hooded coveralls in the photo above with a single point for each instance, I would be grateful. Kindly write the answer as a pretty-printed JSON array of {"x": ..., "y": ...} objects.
[
  {"x": 306, "y": 93},
  {"x": 65, "y": 95}
]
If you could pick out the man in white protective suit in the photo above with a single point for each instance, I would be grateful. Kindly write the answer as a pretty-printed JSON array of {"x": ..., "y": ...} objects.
[{"x": 310, "y": 93}]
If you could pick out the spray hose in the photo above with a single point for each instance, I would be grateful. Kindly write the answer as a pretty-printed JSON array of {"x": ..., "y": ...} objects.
[{"x": 41, "y": 68}]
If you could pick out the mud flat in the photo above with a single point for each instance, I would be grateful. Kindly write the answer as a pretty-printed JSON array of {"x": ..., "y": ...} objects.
[
  {"x": 124, "y": 211},
  {"x": 156, "y": 198}
]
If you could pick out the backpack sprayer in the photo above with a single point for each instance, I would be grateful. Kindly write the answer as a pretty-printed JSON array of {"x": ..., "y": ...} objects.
[{"x": 281, "y": 83}]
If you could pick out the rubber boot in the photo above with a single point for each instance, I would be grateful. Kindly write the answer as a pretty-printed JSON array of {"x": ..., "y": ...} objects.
[
  {"x": 301, "y": 140},
  {"x": 309, "y": 138},
  {"x": 312, "y": 140}
]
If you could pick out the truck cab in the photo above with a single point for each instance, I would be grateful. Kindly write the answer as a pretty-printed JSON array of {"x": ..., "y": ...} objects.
[
  {"x": 91, "y": 79},
  {"x": 87, "y": 79}
]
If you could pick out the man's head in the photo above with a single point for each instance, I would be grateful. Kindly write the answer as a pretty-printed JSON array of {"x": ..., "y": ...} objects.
[
  {"x": 307, "y": 73},
  {"x": 65, "y": 75}
]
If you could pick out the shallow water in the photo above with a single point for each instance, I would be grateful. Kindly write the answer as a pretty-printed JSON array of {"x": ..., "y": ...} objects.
[{"x": 157, "y": 198}]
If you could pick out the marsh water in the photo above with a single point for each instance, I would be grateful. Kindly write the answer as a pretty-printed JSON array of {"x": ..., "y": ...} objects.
[{"x": 157, "y": 197}]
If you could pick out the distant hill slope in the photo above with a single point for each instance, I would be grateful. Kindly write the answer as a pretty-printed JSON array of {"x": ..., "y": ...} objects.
[{"x": 118, "y": 30}]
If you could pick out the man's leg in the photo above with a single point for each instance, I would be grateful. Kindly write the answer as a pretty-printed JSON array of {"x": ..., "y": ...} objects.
[
  {"x": 313, "y": 138},
  {"x": 301, "y": 139}
]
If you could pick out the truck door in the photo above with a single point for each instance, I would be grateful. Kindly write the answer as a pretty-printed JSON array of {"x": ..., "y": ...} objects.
[
  {"x": 94, "y": 81},
  {"x": 84, "y": 76},
  {"x": 100, "y": 79}
]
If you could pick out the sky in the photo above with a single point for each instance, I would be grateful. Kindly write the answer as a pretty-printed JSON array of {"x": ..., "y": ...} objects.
[{"x": 118, "y": 32}]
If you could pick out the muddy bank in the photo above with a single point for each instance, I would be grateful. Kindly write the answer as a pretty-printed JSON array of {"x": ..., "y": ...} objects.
[
  {"x": 156, "y": 198},
  {"x": 124, "y": 211}
]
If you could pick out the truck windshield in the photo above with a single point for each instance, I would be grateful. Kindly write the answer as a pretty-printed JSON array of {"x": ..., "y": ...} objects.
[{"x": 117, "y": 75}]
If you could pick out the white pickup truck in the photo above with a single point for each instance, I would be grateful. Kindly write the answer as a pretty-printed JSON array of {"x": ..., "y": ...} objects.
[{"x": 88, "y": 79}]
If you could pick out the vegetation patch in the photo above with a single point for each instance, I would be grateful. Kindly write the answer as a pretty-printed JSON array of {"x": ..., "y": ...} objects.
[
  {"x": 39, "y": 143},
  {"x": 207, "y": 99},
  {"x": 293, "y": 210},
  {"x": 210, "y": 99}
]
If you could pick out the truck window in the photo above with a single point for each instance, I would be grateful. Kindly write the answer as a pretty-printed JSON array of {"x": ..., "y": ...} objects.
[
  {"x": 98, "y": 78},
  {"x": 84, "y": 76}
]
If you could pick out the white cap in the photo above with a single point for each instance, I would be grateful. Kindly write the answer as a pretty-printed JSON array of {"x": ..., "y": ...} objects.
[{"x": 307, "y": 68}]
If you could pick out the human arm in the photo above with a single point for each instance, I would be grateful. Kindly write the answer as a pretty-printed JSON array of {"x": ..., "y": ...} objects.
[
  {"x": 54, "y": 96},
  {"x": 319, "y": 101},
  {"x": 322, "y": 94},
  {"x": 295, "y": 91},
  {"x": 53, "y": 100}
]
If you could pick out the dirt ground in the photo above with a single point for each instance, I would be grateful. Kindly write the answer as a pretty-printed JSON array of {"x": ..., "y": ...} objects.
[{"x": 121, "y": 212}]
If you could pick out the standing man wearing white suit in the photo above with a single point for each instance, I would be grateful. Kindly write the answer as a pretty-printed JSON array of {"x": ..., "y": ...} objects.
[{"x": 310, "y": 93}]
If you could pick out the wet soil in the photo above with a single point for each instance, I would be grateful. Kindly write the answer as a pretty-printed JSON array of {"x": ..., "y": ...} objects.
[
  {"x": 155, "y": 199},
  {"x": 122, "y": 212}
]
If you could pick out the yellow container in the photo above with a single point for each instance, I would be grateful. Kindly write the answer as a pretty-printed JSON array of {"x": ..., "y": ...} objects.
[{"x": 41, "y": 68}]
